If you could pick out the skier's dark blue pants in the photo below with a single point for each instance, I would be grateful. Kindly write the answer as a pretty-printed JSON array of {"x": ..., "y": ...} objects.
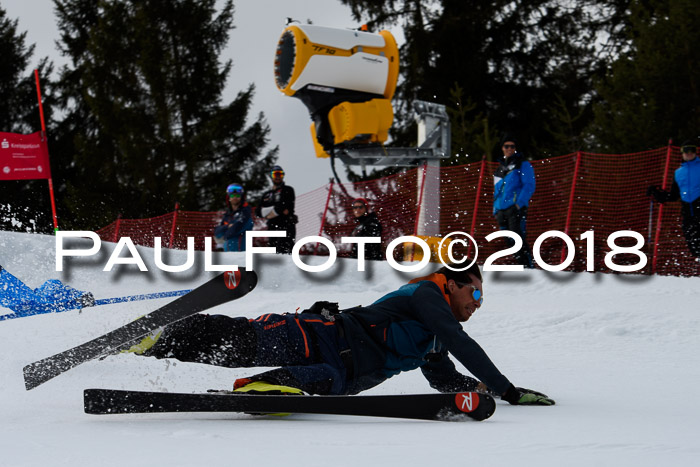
[
  {"x": 691, "y": 226},
  {"x": 309, "y": 348}
]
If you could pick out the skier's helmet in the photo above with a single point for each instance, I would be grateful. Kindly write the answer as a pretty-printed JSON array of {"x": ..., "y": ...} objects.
[
  {"x": 277, "y": 173},
  {"x": 235, "y": 190}
]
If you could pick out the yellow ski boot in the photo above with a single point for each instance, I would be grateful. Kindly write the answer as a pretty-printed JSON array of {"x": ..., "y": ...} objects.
[
  {"x": 146, "y": 343},
  {"x": 246, "y": 386}
]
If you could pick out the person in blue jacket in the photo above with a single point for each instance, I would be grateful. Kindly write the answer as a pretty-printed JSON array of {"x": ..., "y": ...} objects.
[
  {"x": 514, "y": 185},
  {"x": 686, "y": 187},
  {"x": 324, "y": 350},
  {"x": 237, "y": 220}
]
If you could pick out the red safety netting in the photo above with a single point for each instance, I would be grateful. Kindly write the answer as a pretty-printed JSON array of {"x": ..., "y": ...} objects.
[
  {"x": 576, "y": 193},
  {"x": 393, "y": 199}
]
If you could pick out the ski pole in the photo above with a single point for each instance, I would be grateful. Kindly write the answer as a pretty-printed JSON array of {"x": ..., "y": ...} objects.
[
  {"x": 148, "y": 296},
  {"x": 102, "y": 301},
  {"x": 651, "y": 212}
]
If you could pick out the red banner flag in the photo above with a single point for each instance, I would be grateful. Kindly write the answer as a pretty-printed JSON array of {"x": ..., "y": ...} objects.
[{"x": 23, "y": 157}]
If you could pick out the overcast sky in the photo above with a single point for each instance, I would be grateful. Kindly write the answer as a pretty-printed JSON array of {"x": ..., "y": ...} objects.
[{"x": 259, "y": 24}]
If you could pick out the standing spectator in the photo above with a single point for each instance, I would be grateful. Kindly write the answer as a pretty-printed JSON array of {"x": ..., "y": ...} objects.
[
  {"x": 514, "y": 184},
  {"x": 278, "y": 208},
  {"x": 686, "y": 186},
  {"x": 237, "y": 220},
  {"x": 367, "y": 226}
]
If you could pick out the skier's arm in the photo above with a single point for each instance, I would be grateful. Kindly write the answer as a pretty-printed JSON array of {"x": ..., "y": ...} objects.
[
  {"x": 433, "y": 312},
  {"x": 374, "y": 229},
  {"x": 497, "y": 191},
  {"x": 444, "y": 377},
  {"x": 663, "y": 196},
  {"x": 287, "y": 200},
  {"x": 222, "y": 228},
  {"x": 241, "y": 225},
  {"x": 527, "y": 177},
  {"x": 436, "y": 314}
]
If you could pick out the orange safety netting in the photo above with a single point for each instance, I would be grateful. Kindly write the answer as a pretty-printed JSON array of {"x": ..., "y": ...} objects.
[{"x": 576, "y": 193}]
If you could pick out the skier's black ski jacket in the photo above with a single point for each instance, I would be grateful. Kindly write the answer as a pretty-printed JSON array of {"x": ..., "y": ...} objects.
[
  {"x": 281, "y": 198},
  {"x": 410, "y": 328},
  {"x": 368, "y": 226}
]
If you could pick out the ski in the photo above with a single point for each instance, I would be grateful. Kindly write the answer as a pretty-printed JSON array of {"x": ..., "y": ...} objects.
[
  {"x": 438, "y": 406},
  {"x": 221, "y": 289}
]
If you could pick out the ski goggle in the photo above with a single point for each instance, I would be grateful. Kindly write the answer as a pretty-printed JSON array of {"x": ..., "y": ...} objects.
[
  {"x": 476, "y": 293},
  {"x": 277, "y": 174},
  {"x": 689, "y": 148},
  {"x": 234, "y": 190}
]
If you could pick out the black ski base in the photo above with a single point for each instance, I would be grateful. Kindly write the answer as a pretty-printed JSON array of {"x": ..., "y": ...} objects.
[{"x": 446, "y": 407}]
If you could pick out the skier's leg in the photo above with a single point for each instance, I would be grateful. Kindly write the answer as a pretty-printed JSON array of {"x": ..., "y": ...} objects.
[
  {"x": 270, "y": 340},
  {"x": 525, "y": 254},
  {"x": 319, "y": 378},
  {"x": 691, "y": 230},
  {"x": 212, "y": 339},
  {"x": 323, "y": 359}
]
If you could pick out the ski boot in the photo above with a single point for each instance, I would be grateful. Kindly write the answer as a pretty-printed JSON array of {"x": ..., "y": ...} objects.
[
  {"x": 247, "y": 386},
  {"x": 146, "y": 343}
]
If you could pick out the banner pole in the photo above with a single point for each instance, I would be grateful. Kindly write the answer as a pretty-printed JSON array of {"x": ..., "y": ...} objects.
[{"x": 46, "y": 143}]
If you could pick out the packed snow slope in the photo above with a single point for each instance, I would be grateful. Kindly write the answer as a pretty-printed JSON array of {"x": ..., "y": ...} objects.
[{"x": 618, "y": 353}]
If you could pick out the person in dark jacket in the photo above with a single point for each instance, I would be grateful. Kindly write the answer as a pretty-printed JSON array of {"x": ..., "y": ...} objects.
[
  {"x": 514, "y": 185},
  {"x": 367, "y": 226},
  {"x": 237, "y": 220},
  {"x": 326, "y": 351},
  {"x": 686, "y": 187},
  {"x": 277, "y": 207}
]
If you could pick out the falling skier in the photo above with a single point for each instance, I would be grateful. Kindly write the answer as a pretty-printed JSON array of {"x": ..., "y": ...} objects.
[{"x": 323, "y": 350}]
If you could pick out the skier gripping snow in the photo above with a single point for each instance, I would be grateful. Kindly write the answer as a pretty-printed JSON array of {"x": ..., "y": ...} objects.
[{"x": 326, "y": 351}]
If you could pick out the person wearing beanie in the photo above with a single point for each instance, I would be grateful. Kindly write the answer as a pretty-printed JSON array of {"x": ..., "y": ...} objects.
[
  {"x": 367, "y": 226},
  {"x": 686, "y": 187},
  {"x": 514, "y": 185}
]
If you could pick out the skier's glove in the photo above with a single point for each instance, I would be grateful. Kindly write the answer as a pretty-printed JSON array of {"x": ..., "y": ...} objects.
[
  {"x": 522, "y": 396},
  {"x": 652, "y": 190}
]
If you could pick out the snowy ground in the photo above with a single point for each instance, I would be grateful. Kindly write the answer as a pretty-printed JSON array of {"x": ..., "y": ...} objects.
[{"x": 619, "y": 355}]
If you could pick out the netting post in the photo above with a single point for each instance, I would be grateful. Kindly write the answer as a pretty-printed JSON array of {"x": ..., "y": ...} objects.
[
  {"x": 472, "y": 231},
  {"x": 571, "y": 203},
  {"x": 418, "y": 206},
  {"x": 117, "y": 223},
  {"x": 172, "y": 230},
  {"x": 661, "y": 210},
  {"x": 325, "y": 212}
]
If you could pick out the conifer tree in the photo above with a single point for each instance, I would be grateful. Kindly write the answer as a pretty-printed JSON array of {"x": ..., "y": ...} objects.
[
  {"x": 145, "y": 124},
  {"x": 499, "y": 66},
  {"x": 651, "y": 92},
  {"x": 24, "y": 204}
]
